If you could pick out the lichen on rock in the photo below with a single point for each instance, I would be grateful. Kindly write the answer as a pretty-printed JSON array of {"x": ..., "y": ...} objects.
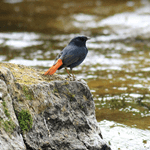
[{"x": 54, "y": 113}]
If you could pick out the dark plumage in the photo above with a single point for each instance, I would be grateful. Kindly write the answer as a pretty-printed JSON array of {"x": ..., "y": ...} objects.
[{"x": 71, "y": 56}]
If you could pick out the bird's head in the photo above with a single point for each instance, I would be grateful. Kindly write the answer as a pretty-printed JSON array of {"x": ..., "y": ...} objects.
[{"x": 79, "y": 40}]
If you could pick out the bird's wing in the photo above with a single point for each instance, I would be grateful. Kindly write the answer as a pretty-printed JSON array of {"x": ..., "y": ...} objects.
[
  {"x": 70, "y": 59},
  {"x": 72, "y": 55}
]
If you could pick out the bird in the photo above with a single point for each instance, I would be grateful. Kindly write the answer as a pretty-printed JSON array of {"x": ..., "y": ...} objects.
[{"x": 71, "y": 56}]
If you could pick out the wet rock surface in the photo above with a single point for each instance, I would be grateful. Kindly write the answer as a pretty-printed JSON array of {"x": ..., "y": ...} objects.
[{"x": 53, "y": 113}]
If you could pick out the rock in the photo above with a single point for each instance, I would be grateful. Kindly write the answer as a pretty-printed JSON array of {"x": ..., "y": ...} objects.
[
  {"x": 53, "y": 112},
  {"x": 10, "y": 136}
]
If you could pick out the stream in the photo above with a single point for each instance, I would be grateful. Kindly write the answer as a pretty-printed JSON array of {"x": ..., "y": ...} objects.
[{"x": 117, "y": 67}]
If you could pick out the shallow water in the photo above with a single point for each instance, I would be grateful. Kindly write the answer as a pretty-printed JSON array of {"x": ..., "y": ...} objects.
[
  {"x": 122, "y": 137},
  {"x": 117, "y": 67}
]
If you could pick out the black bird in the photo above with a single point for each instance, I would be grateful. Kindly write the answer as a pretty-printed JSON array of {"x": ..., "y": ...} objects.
[{"x": 71, "y": 56}]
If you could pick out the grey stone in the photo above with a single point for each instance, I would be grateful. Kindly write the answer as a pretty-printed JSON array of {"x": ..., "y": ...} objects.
[
  {"x": 12, "y": 139},
  {"x": 63, "y": 111}
]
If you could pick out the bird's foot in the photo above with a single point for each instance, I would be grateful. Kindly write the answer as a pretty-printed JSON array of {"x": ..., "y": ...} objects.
[
  {"x": 74, "y": 77},
  {"x": 71, "y": 77}
]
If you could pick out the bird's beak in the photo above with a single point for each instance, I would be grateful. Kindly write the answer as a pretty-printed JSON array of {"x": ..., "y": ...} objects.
[{"x": 88, "y": 38}]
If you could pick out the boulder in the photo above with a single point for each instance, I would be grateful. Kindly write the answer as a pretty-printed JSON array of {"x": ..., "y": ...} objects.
[{"x": 46, "y": 112}]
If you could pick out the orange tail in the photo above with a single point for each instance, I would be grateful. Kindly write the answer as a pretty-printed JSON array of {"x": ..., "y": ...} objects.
[{"x": 53, "y": 69}]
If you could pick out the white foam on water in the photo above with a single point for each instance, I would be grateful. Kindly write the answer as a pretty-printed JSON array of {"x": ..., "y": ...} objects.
[
  {"x": 124, "y": 137},
  {"x": 83, "y": 17},
  {"x": 116, "y": 46},
  {"x": 13, "y": 1},
  {"x": 146, "y": 69},
  {"x": 129, "y": 24},
  {"x": 34, "y": 62},
  {"x": 129, "y": 109},
  {"x": 22, "y": 44},
  {"x": 138, "y": 85},
  {"x": 84, "y": 21},
  {"x": 123, "y": 25},
  {"x": 28, "y": 36},
  {"x": 20, "y": 39},
  {"x": 136, "y": 95}
]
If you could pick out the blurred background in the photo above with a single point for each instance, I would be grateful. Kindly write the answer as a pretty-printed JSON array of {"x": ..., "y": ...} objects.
[{"x": 117, "y": 68}]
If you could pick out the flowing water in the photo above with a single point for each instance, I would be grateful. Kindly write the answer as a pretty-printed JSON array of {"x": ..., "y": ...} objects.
[{"x": 117, "y": 68}]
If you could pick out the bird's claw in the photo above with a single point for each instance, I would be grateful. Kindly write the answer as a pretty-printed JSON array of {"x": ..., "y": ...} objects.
[{"x": 71, "y": 77}]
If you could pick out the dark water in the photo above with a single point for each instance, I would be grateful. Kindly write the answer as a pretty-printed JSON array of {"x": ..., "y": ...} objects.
[{"x": 117, "y": 67}]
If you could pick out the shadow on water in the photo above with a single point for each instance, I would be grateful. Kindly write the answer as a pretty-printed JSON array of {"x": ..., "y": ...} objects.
[{"x": 117, "y": 67}]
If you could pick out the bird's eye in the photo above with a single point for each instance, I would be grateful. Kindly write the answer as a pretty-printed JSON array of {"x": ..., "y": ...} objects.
[{"x": 82, "y": 39}]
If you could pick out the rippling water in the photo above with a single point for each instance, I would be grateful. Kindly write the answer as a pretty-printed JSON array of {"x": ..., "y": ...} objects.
[{"x": 117, "y": 67}]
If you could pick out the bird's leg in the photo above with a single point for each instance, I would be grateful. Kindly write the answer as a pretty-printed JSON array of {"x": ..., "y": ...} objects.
[
  {"x": 72, "y": 74},
  {"x": 67, "y": 72}
]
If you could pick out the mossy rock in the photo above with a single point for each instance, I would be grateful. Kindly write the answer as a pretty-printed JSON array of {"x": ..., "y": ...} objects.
[{"x": 28, "y": 75}]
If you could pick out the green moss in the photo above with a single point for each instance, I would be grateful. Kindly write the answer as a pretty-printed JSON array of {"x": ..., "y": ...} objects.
[
  {"x": 25, "y": 120},
  {"x": 7, "y": 113},
  {"x": 55, "y": 90},
  {"x": 28, "y": 94},
  {"x": 66, "y": 83},
  {"x": 5, "y": 109},
  {"x": 9, "y": 126},
  {"x": 1, "y": 122},
  {"x": 4, "y": 104},
  {"x": 72, "y": 96},
  {"x": 81, "y": 106}
]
